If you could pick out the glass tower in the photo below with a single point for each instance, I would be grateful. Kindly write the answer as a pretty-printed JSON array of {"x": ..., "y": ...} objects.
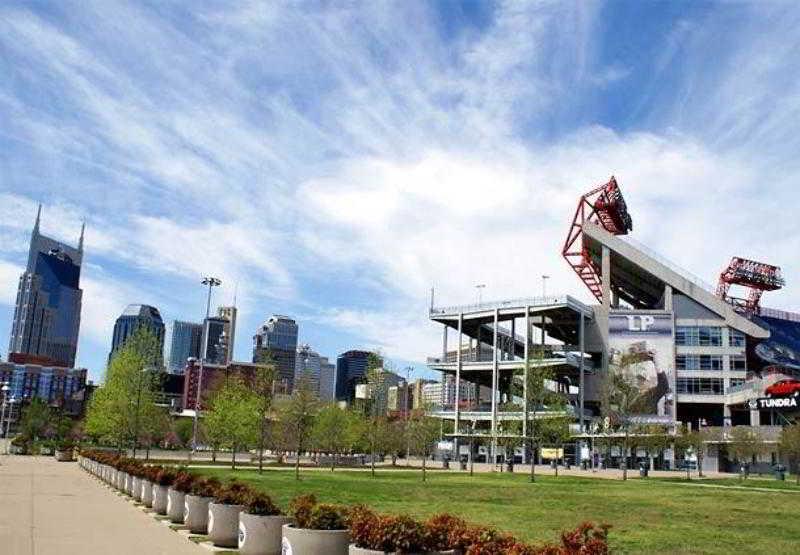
[
  {"x": 134, "y": 316},
  {"x": 47, "y": 313},
  {"x": 186, "y": 340},
  {"x": 277, "y": 338}
]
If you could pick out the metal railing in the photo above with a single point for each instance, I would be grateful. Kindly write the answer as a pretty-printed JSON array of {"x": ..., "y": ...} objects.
[
  {"x": 779, "y": 314},
  {"x": 491, "y": 305}
]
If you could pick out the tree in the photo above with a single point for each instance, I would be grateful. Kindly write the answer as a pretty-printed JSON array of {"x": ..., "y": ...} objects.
[
  {"x": 653, "y": 438},
  {"x": 555, "y": 431},
  {"x": 35, "y": 420},
  {"x": 423, "y": 432},
  {"x": 115, "y": 412},
  {"x": 620, "y": 395},
  {"x": 745, "y": 445},
  {"x": 694, "y": 441},
  {"x": 296, "y": 418},
  {"x": 233, "y": 420},
  {"x": 183, "y": 428},
  {"x": 264, "y": 386},
  {"x": 332, "y": 432},
  {"x": 790, "y": 446}
]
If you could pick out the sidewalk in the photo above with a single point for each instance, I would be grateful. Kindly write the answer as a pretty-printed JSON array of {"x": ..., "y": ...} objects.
[{"x": 47, "y": 507}]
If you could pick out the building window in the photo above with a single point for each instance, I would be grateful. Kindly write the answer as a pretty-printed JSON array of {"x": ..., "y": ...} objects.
[
  {"x": 736, "y": 382},
  {"x": 698, "y": 362},
  {"x": 699, "y": 386},
  {"x": 738, "y": 362},
  {"x": 698, "y": 336},
  {"x": 736, "y": 338}
]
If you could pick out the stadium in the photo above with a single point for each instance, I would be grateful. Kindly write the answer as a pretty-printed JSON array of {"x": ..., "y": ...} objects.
[{"x": 701, "y": 356}]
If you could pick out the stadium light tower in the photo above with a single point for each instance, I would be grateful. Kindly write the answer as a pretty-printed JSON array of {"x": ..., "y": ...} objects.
[{"x": 211, "y": 282}]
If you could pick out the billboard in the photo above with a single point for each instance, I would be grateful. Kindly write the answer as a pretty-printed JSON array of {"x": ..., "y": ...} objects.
[{"x": 642, "y": 344}]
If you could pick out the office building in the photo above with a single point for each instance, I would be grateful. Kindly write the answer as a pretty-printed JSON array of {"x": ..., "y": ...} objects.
[
  {"x": 229, "y": 313},
  {"x": 47, "y": 312},
  {"x": 417, "y": 393},
  {"x": 217, "y": 346},
  {"x": 132, "y": 318},
  {"x": 276, "y": 339},
  {"x": 351, "y": 369},
  {"x": 307, "y": 367},
  {"x": 327, "y": 380},
  {"x": 185, "y": 343}
]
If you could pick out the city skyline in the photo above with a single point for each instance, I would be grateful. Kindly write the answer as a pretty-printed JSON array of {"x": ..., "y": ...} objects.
[{"x": 415, "y": 146}]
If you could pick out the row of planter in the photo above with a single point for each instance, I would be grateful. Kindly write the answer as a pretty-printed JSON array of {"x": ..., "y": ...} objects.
[{"x": 235, "y": 515}]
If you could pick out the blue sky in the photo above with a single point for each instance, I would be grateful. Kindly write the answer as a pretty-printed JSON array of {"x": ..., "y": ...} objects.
[{"x": 334, "y": 161}]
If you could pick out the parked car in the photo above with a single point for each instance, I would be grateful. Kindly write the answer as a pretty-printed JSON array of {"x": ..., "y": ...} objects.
[{"x": 783, "y": 388}]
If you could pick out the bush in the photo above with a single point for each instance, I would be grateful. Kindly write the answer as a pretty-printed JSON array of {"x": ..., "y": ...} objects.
[
  {"x": 362, "y": 523},
  {"x": 65, "y": 445},
  {"x": 183, "y": 482},
  {"x": 261, "y": 504},
  {"x": 165, "y": 476},
  {"x": 234, "y": 493},
  {"x": 443, "y": 532},
  {"x": 327, "y": 517},
  {"x": 205, "y": 487},
  {"x": 300, "y": 509}
]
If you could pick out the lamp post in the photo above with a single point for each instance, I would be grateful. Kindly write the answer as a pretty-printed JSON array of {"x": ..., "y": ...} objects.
[
  {"x": 211, "y": 282},
  {"x": 409, "y": 371},
  {"x": 8, "y": 420},
  {"x": 544, "y": 286},
  {"x": 4, "y": 389}
]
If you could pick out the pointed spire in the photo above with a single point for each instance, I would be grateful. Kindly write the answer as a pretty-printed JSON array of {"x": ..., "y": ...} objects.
[
  {"x": 80, "y": 241},
  {"x": 38, "y": 219}
]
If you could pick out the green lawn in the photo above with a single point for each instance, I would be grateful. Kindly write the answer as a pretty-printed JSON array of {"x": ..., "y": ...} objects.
[
  {"x": 650, "y": 516},
  {"x": 789, "y": 484}
]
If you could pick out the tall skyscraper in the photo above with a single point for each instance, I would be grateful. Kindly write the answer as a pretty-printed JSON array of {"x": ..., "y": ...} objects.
[
  {"x": 351, "y": 369},
  {"x": 133, "y": 317},
  {"x": 277, "y": 338},
  {"x": 327, "y": 379},
  {"x": 47, "y": 313},
  {"x": 186, "y": 340},
  {"x": 307, "y": 366},
  {"x": 217, "y": 345},
  {"x": 229, "y": 313}
]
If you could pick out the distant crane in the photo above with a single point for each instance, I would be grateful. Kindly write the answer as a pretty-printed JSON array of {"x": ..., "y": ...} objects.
[
  {"x": 755, "y": 276},
  {"x": 605, "y": 206}
]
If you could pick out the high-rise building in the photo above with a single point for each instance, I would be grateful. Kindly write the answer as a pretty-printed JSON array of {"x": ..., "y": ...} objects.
[
  {"x": 229, "y": 313},
  {"x": 277, "y": 339},
  {"x": 132, "y": 318},
  {"x": 47, "y": 313},
  {"x": 417, "y": 393},
  {"x": 351, "y": 369},
  {"x": 307, "y": 366},
  {"x": 327, "y": 379},
  {"x": 186, "y": 340},
  {"x": 217, "y": 345}
]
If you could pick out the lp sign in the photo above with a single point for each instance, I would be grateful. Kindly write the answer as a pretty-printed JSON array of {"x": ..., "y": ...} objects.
[{"x": 767, "y": 403}]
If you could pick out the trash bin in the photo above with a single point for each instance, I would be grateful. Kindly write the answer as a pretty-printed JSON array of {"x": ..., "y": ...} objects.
[
  {"x": 584, "y": 464},
  {"x": 553, "y": 464},
  {"x": 463, "y": 463},
  {"x": 509, "y": 465},
  {"x": 643, "y": 470},
  {"x": 446, "y": 463},
  {"x": 780, "y": 472}
]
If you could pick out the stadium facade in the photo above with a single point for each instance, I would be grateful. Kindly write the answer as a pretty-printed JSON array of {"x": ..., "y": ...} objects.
[{"x": 700, "y": 356}]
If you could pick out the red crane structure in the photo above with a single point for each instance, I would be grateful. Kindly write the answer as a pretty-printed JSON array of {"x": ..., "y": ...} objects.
[
  {"x": 603, "y": 205},
  {"x": 755, "y": 276}
]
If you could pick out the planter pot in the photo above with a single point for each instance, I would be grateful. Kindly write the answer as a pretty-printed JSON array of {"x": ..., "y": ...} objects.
[
  {"x": 137, "y": 488},
  {"x": 147, "y": 493},
  {"x": 160, "y": 499},
  {"x": 129, "y": 485},
  {"x": 121, "y": 477},
  {"x": 299, "y": 541},
  {"x": 195, "y": 513},
  {"x": 361, "y": 551},
  {"x": 261, "y": 535},
  {"x": 175, "y": 508},
  {"x": 223, "y": 524}
]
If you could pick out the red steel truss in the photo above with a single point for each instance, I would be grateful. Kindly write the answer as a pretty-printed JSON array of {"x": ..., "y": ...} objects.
[
  {"x": 605, "y": 206},
  {"x": 755, "y": 276}
]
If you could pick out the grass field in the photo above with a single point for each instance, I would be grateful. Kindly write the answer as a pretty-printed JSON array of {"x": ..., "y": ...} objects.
[{"x": 648, "y": 516}]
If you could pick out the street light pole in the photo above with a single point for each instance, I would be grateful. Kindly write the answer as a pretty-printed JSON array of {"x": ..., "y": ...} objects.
[
  {"x": 480, "y": 287},
  {"x": 409, "y": 370},
  {"x": 4, "y": 389},
  {"x": 210, "y": 282}
]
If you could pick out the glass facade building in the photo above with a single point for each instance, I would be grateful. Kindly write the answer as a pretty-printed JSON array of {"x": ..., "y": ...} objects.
[
  {"x": 351, "y": 369},
  {"x": 308, "y": 366},
  {"x": 277, "y": 339},
  {"x": 133, "y": 317},
  {"x": 47, "y": 311},
  {"x": 53, "y": 385},
  {"x": 186, "y": 340},
  {"x": 216, "y": 340}
]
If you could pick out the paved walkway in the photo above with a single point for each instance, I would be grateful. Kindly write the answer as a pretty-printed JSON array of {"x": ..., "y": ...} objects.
[{"x": 47, "y": 507}]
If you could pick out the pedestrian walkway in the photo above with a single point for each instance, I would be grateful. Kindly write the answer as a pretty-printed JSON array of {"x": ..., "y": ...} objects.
[{"x": 47, "y": 507}]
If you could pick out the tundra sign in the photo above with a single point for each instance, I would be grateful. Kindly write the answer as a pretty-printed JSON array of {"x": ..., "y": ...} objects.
[{"x": 770, "y": 403}]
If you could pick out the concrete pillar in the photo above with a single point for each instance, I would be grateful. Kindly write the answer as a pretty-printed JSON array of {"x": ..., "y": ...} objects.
[
  {"x": 667, "y": 297},
  {"x": 526, "y": 354},
  {"x": 444, "y": 344},
  {"x": 755, "y": 418},
  {"x": 581, "y": 346},
  {"x": 456, "y": 407},
  {"x": 606, "y": 277},
  {"x": 726, "y": 415},
  {"x": 494, "y": 385}
]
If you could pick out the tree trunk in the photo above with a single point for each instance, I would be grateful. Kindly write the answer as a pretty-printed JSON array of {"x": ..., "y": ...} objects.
[
  {"x": 213, "y": 454},
  {"x": 147, "y": 454},
  {"x": 423, "y": 467},
  {"x": 233, "y": 458},
  {"x": 261, "y": 446},
  {"x": 297, "y": 462},
  {"x": 333, "y": 461},
  {"x": 625, "y": 457},
  {"x": 533, "y": 462}
]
